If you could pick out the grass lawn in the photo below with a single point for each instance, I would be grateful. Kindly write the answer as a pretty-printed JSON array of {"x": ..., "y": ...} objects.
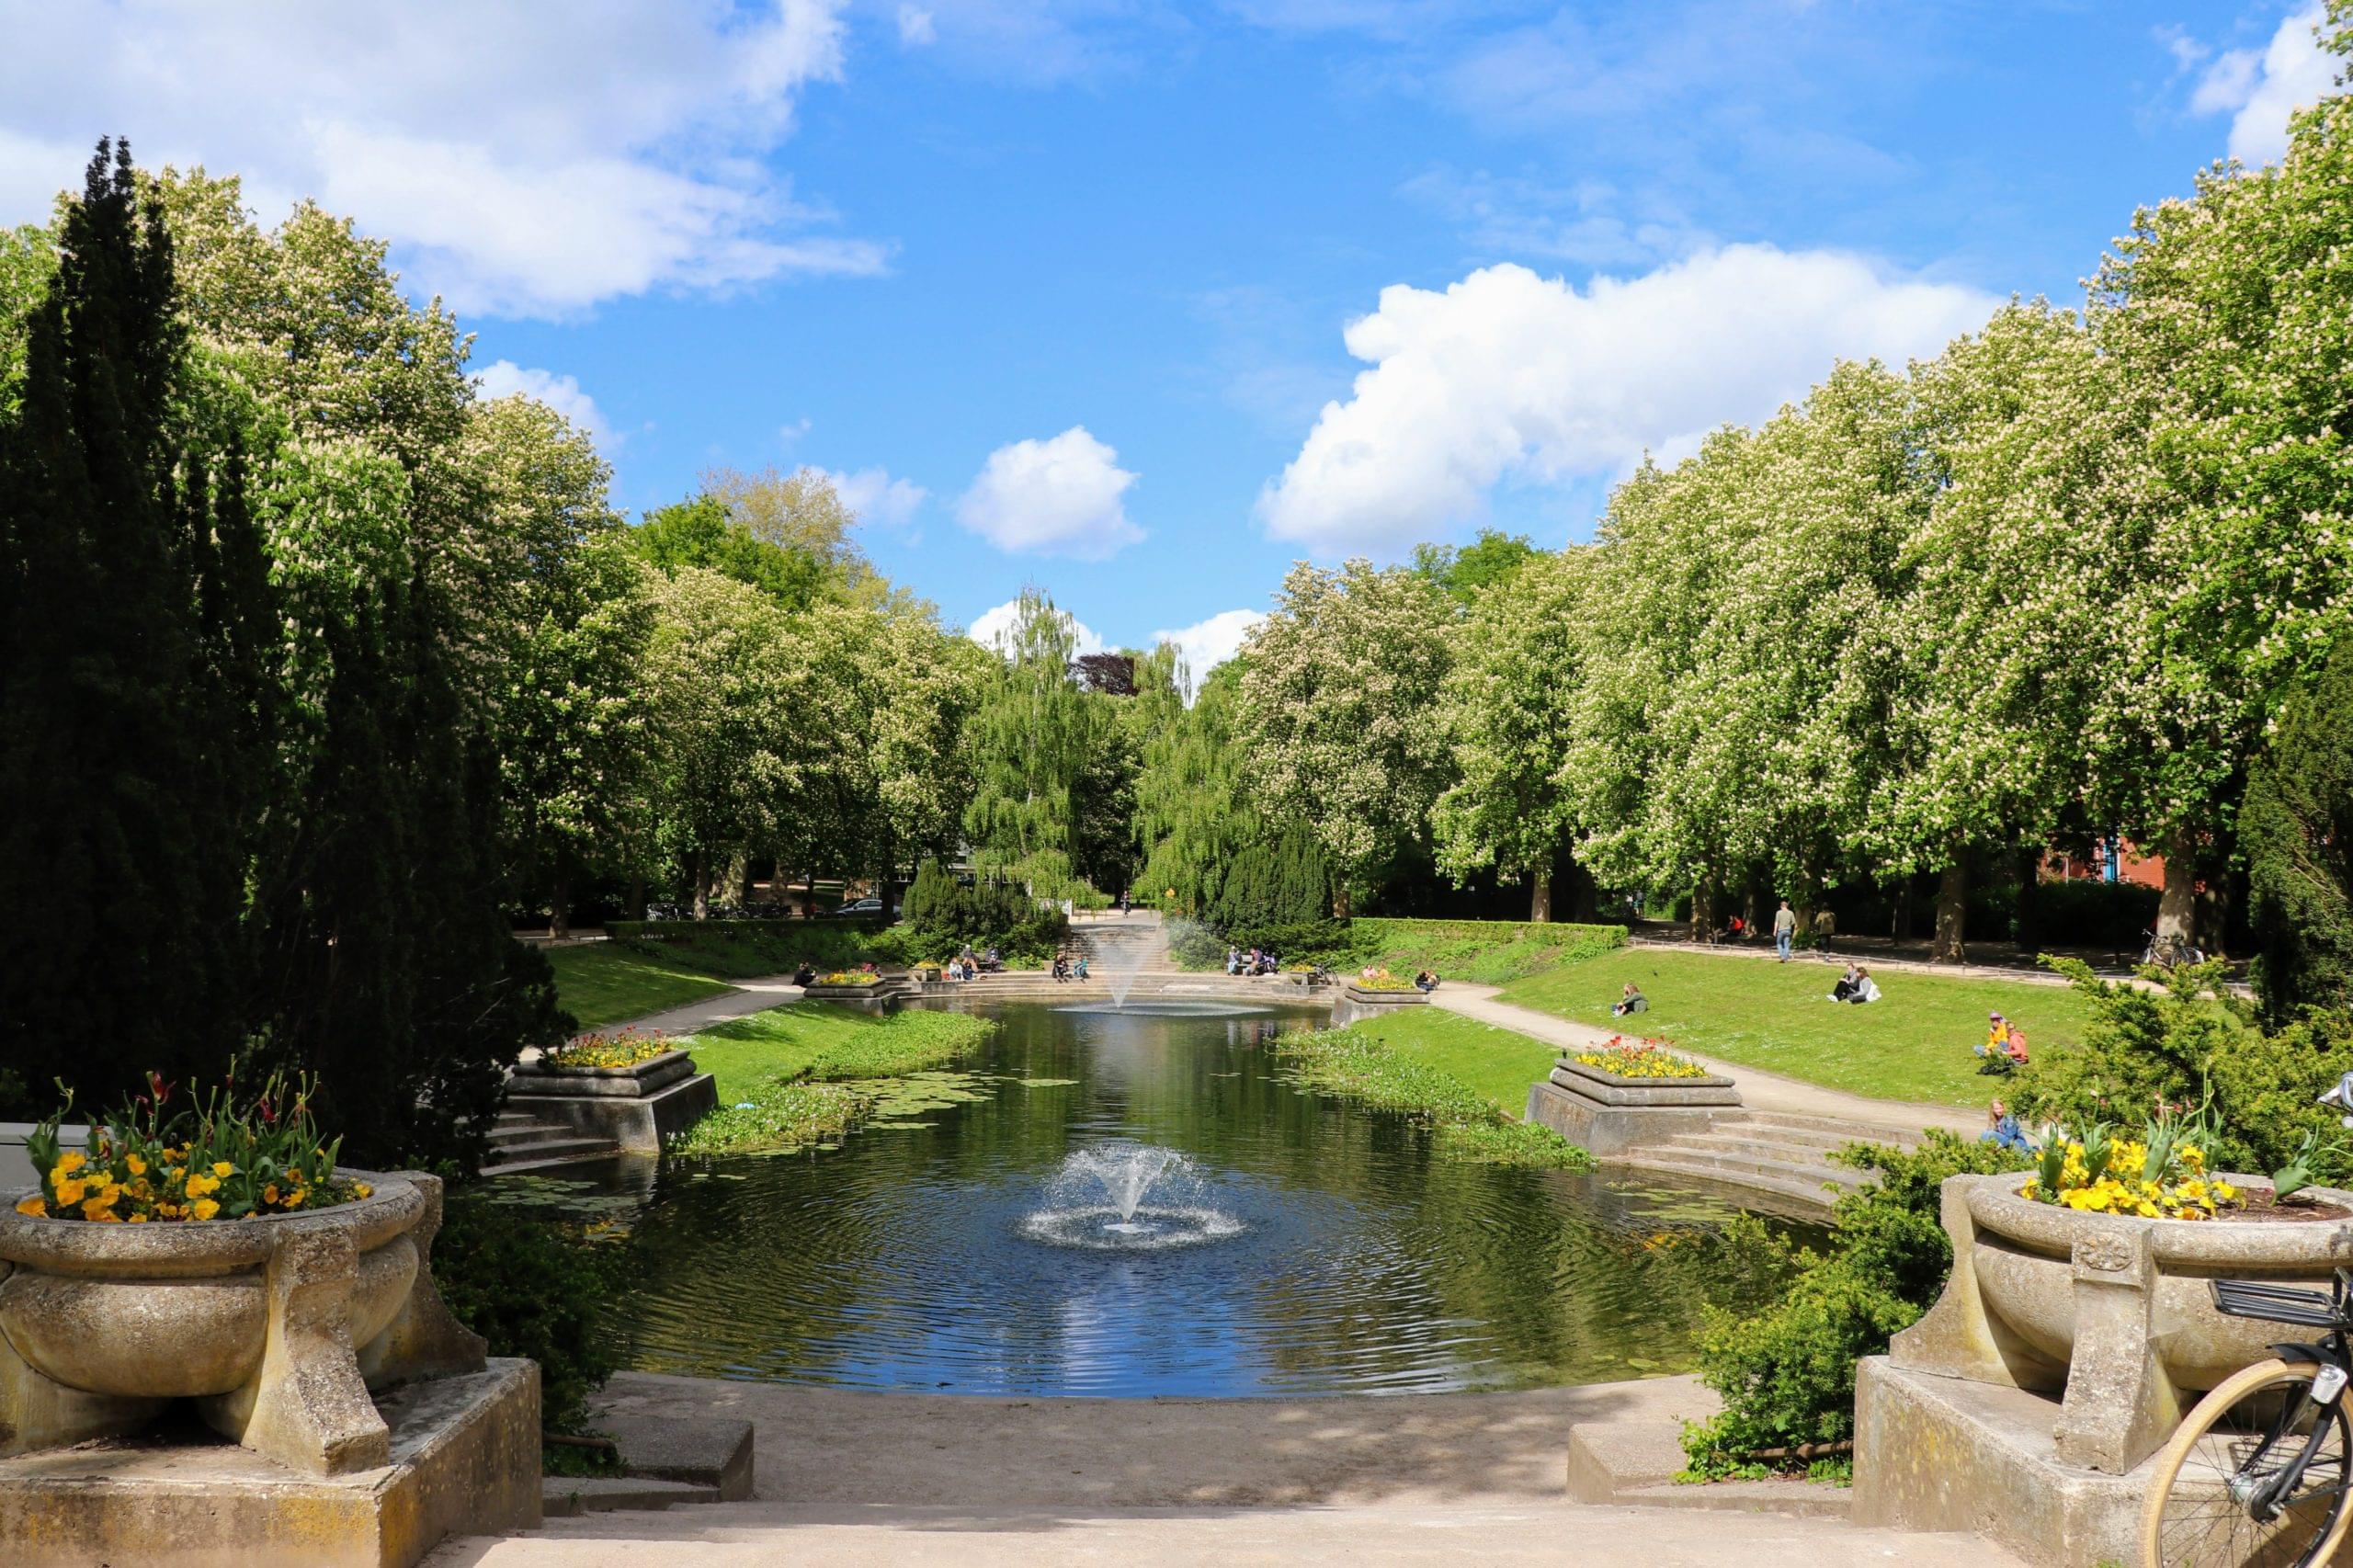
[
  {"x": 1467, "y": 1080},
  {"x": 604, "y": 983},
  {"x": 1913, "y": 1044},
  {"x": 1498, "y": 1064},
  {"x": 828, "y": 1043},
  {"x": 807, "y": 1073}
]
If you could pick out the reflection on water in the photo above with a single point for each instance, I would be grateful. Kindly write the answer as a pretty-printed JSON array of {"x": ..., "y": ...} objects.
[{"x": 1355, "y": 1263}]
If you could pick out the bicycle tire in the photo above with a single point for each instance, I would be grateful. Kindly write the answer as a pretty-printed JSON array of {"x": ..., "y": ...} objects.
[{"x": 2184, "y": 1495}]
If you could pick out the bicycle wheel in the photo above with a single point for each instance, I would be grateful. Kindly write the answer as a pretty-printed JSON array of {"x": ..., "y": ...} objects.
[{"x": 2245, "y": 1432}]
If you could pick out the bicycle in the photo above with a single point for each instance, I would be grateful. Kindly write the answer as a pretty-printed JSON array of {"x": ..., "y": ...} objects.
[{"x": 2258, "y": 1472}]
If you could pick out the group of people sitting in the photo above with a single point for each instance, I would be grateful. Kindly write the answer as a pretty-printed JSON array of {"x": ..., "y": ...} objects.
[
  {"x": 1257, "y": 960},
  {"x": 1855, "y": 985},
  {"x": 1066, "y": 967},
  {"x": 2005, "y": 1048},
  {"x": 965, "y": 965}
]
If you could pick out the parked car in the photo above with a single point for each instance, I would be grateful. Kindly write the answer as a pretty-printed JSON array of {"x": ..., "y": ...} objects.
[{"x": 862, "y": 906}]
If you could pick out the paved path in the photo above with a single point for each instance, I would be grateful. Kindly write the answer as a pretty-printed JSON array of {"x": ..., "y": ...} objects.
[
  {"x": 1758, "y": 1090},
  {"x": 864, "y": 1478},
  {"x": 748, "y": 996}
]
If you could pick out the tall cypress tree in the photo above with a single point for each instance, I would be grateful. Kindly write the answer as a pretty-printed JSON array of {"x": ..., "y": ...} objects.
[
  {"x": 2297, "y": 827},
  {"x": 122, "y": 874}
]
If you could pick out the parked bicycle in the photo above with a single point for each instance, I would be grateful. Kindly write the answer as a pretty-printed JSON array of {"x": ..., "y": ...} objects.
[
  {"x": 2168, "y": 952},
  {"x": 2260, "y": 1471}
]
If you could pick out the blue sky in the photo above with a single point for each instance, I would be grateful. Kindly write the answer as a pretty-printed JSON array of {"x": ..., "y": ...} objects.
[{"x": 1062, "y": 289}]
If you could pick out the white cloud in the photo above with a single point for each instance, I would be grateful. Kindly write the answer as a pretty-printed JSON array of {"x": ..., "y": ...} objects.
[
  {"x": 876, "y": 497},
  {"x": 504, "y": 378},
  {"x": 1509, "y": 376},
  {"x": 2261, "y": 89},
  {"x": 526, "y": 158},
  {"x": 991, "y": 627},
  {"x": 790, "y": 435},
  {"x": 916, "y": 28},
  {"x": 1056, "y": 497},
  {"x": 1209, "y": 643}
]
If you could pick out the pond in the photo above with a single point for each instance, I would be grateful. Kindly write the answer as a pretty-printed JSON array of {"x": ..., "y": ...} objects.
[{"x": 973, "y": 1242}]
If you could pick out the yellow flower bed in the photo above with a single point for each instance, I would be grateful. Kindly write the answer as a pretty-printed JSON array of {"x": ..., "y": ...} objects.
[
  {"x": 625, "y": 1048},
  {"x": 2124, "y": 1183},
  {"x": 1638, "y": 1059},
  {"x": 849, "y": 977},
  {"x": 220, "y": 1160}
]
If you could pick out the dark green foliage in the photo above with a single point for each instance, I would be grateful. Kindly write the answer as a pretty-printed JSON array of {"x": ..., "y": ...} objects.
[
  {"x": 699, "y": 532},
  {"x": 1787, "y": 1376},
  {"x": 1283, "y": 881},
  {"x": 534, "y": 1287},
  {"x": 121, "y": 842},
  {"x": 2296, "y": 827},
  {"x": 941, "y": 916},
  {"x": 1464, "y": 572},
  {"x": 2189, "y": 1047},
  {"x": 2081, "y": 914},
  {"x": 1103, "y": 805}
]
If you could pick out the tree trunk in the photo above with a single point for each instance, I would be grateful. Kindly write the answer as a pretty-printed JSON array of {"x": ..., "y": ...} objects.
[
  {"x": 1540, "y": 895},
  {"x": 637, "y": 898},
  {"x": 808, "y": 895},
  {"x": 560, "y": 908},
  {"x": 1703, "y": 909},
  {"x": 1952, "y": 913},
  {"x": 1899, "y": 920},
  {"x": 1581, "y": 894},
  {"x": 703, "y": 886},
  {"x": 1340, "y": 898},
  {"x": 2177, "y": 905}
]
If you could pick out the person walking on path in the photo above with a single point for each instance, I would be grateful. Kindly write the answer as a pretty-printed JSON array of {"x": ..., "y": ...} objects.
[{"x": 1785, "y": 929}]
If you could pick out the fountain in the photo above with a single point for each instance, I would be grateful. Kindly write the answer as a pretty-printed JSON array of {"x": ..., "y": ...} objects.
[{"x": 1097, "y": 1201}]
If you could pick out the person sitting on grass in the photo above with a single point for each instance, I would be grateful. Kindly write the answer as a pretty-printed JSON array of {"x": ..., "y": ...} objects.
[
  {"x": 2001, "y": 1130},
  {"x": 2005, "y": 1048},
  {"x": 1848, "y": 984},
  {"x": 1632, "y": 1002}
]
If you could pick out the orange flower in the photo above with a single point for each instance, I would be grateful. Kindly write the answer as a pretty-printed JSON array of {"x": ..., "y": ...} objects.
[{"x": 32, "y": 1206}]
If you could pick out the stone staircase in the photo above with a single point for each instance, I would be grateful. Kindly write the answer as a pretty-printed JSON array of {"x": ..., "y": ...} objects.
[
  {"x": 521, "y": 1141},
  {"x": 1134, "y": 945},
  {"x": 1774, "y": 1152}
]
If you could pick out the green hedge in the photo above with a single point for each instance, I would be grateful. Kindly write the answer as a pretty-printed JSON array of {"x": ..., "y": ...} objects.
[{"x": 674, "y": 930}]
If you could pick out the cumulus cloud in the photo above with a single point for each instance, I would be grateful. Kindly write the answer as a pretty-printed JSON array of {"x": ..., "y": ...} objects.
[
  {"x": 526, "y": 158},
  {"x": 1509, "y": 376},
  {"x": 504, "y": 378},
  {"x": 1209, "y": 643},
  {"x": 1055, "y": 497},
  {"x": 991, "y": 628},
  {"x": 916, "y": 28},
  {"x": 875, "y": 497},
  {"x": 2260, "y": 88}
]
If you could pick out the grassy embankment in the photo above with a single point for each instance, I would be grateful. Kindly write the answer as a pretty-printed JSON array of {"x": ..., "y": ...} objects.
[
  {"x": 1913, "y": 1044},
  {"x": 605, "y": 983},
  {"x": 792, "y": 1076},
  {"x": 1468, "y": 1081}
]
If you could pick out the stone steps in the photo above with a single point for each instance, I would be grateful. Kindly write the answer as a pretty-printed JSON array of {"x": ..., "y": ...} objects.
[
  {"x": 1779, "y": 1152},
  {"x": 521, "y": 1141},
  {"x": 568, "y": 1496}
]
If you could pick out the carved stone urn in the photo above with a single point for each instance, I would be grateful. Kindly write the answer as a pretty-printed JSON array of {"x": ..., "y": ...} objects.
[
  {"x": 2111, "y": 1310},
  {"x": 275, "y": 1326}
]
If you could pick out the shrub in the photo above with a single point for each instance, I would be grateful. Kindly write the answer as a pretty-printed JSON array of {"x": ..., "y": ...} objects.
[
  {"x": 1786, "y": 1375},
  {"x": 537, "y": 1288},
  {"x": 2179, "y": 1047},
  {"x": 1283, "y": 881},
  {"x": 944, "y": 916}
]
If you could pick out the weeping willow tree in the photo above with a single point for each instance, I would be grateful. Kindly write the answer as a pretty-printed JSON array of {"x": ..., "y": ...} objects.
[
  {"x": 1033, "y": 734},
  {"x": 1191, "y": 817}
]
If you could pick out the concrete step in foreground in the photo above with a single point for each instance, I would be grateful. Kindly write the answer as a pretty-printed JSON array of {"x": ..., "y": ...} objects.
[{"x": 565, "y": 1496}]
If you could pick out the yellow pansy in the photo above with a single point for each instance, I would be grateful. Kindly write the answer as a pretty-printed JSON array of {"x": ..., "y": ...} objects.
[
  {"x": 69, "y": 1192},
  {"x": 223, "y": 1169},
  {"x": 67, "y": 1164},
  {"x": 269, "y": 1193},
  {"x": 32, "y": 1206},
  {"x": 205, "y": 1208},
  {"x": 138, "y": 1166}
]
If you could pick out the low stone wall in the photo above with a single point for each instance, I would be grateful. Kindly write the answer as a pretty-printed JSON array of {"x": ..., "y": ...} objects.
[
  {"x": 636, "y": 1106},
  {"x": 1607, "y": 1114},
  {"x": 1356, "y": 1004},
  {"x": 878, "y": 998}
]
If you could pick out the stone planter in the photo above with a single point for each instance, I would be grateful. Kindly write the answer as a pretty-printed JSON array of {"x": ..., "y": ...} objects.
[
  {"x": 276, "y": 1326},
  {"x": 2113, "y": 1311},
  {"x": 1609, "y": 1114},
  {"x": 878, "y": 997},
  {"x": 1356, "y": 1003},
  {"x": 636, "y": 1106}
]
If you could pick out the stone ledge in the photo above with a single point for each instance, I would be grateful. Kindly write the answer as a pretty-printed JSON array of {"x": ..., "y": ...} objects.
[
  {"x": 1607, "y": 1128},
  {"x": 638, "y": 1125},
  {"x": 708, "y": 1450},
  {"x": 1633, "y": 1465},
  {"x": 465, "y": 1460},
  {"x": 1937, "y": 1453}
]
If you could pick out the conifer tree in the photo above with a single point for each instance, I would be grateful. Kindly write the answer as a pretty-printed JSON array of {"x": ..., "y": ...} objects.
[{"x": 118, "y": 845}]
